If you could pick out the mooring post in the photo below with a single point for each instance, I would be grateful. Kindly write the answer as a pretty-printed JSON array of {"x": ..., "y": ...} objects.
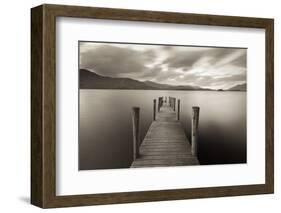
[
  {"x": 178, "y": 109},
  {"x": 136, "y": 131},
  {"x": 194, "y": 130},
  {"x": 154, "y": 109},
  {"x": 159, "y": 103},
  {"x": 175, "y": 104}
]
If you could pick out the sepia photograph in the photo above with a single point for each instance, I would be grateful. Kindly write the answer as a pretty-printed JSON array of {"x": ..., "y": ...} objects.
[{"x": 160, "y": 105}]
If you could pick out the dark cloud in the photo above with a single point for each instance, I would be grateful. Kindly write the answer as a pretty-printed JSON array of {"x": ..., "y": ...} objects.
[
  {"x": 149, "y": 55},
  {"x": 187, "y": 59},
  {"x": 218, "y": 53},
  {"x": 113, "y": 61},
  {"x": 183, "y": 59},
  {"x": 236, "y": 57},
  {"x": 241, "y": 61},
  {"x": 151, "y": 72}
]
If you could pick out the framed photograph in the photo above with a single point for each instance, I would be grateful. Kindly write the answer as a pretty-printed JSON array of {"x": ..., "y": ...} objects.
[{"x": 136, "y": 106}]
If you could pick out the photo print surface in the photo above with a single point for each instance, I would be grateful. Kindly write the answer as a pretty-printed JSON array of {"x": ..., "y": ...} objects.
[{"x": 152, "y": 105}]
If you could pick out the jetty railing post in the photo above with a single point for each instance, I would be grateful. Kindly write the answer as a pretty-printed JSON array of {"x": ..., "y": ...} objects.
[
  {"x": 159, "y": 103},
  {"x": 178, "y": 109},
  {"x": 194, "y": 130},
  {"x": 154, "y": 109},
  {"x": 136, "y": 131}
]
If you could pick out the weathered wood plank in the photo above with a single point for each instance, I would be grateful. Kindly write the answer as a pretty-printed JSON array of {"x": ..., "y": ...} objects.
[
  {"x": 166, "y": 153},
  {"x": 182, "y": 156},
  {"x": 150, "y": 164},
  {"x": 165, "y": 161},
  {"x": 164, "y": 149},
  {"x": 165, "y": 143},
  {"x": 176, "y": 148}
]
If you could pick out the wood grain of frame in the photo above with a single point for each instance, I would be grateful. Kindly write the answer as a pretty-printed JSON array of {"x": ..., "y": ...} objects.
[{"x": 43, "y": 105}]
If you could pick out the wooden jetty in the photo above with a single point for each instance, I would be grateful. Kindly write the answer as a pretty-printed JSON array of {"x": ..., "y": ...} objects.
[{"x": 165, "y": 143}]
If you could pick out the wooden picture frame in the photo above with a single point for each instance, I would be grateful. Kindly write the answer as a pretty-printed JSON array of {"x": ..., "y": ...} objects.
[{"x": 43, "y": 105}]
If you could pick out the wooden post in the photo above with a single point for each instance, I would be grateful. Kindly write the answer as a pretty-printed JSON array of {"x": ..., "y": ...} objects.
[
  {"x": 178, "y": 109},
  {"x": 136, "y": 131},
  {"x": 159, "y": 104},
  {"x": 154, "y": 109},
  {"x": 174, "y": 104},
  {"x": 194, "y": 130}
]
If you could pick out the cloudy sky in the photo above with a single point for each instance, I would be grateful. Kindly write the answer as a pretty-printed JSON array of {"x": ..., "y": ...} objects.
[{"x": 209, "y": 67}]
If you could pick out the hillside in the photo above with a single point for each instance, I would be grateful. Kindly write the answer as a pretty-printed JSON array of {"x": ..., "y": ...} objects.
[
  {"x": 91, "y": 80},
  {"x": 239, "y": 87}
]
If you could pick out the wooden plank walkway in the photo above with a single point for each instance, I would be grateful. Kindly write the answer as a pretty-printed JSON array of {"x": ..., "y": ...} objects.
[{"x": 165, "y": 143}]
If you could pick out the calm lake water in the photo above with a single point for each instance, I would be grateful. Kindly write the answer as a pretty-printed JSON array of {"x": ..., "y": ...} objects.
[{"x": 105, "y": 132}]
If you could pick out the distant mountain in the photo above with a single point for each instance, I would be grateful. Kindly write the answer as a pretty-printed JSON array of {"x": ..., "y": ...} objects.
[
  {"x": 91, "y": 80},
  {"x": 157, "y": 85},
  {"x": 239, "y": 87},
  {"x": 172, "y": 87},
  {"x": 188, "y": 87}
]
